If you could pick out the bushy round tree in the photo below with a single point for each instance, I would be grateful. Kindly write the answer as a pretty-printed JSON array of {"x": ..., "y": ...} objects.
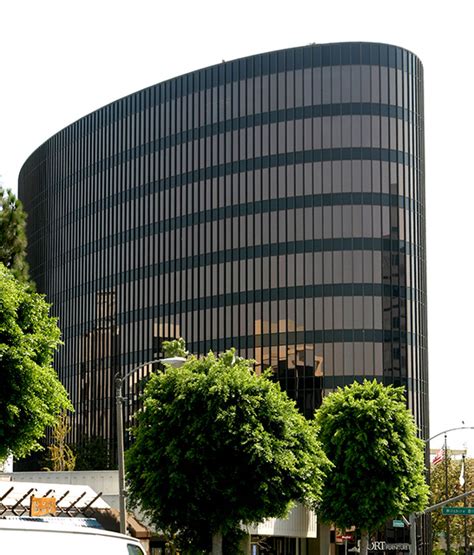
[
  {"x": 217, "y": 446},
  {"x": 370, "y": 436}
]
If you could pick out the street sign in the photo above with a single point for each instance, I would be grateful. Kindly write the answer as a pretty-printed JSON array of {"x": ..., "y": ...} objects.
[
  {"x": 457, "y": 510},
  {"x": 398, "y": 524}
]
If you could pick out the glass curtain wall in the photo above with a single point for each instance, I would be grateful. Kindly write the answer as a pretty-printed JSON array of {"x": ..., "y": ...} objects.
[{"x": 274, "y": 203}]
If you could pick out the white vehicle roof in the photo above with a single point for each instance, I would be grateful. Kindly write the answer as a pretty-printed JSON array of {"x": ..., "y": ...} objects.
[
  {"x": 58, "y": 524},
  {"x": 63, "y": 536}
]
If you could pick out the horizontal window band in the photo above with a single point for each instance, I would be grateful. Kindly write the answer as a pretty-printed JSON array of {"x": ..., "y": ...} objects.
[
  {"x": 229, "y": 300},
  {"x": 326, "y": 381},
  {"x": 248, "y": 122},
  {"x": 394, "y": 246},
  {"x": 332, "y": 381},
  {"x": 265, "y": 162},
  {"x": 309, "y": 337},
  {"x": 157, "y": 146},
  {"x": 232, "y": 301},
  {"x": 246, "y": 209}
]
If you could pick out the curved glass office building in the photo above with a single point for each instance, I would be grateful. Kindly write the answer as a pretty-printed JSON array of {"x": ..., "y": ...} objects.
[{"x": 273, "y": 203}]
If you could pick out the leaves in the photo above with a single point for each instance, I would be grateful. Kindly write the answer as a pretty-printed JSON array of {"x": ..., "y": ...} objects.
[
  {"x": 13, "y": 235},
  {"x": 370, "y": 436},
  {"x": 31, "y": 397},
  {"x": 216, "y": 446},
  {"x": 175, "y": 348}
]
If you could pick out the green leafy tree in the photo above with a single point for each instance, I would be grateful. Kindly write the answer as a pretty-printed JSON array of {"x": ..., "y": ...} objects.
[
  {"x": 217, "y": 446},
  {"x": 13, "y": 235},
  {"x": 459, "y": 526},
  {"x": 31, "y": 396},
  {"x": 370, "y": 436}
]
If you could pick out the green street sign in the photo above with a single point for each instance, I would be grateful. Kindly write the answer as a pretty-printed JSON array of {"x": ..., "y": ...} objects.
[
  {"x": 398, "y": 524},
  {"x": 457, "y": 510}
]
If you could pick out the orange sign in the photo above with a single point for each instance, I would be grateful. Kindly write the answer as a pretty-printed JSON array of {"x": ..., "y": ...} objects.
[{"x": 41, "y": 506}]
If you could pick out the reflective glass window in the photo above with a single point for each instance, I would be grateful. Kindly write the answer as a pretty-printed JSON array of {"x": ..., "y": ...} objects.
[
  {"x": 326, "y": 177},
  {"x": 298, "y": 88},
  {"x": 355, "y": 83},
  {"x": 290, "y": 89},
  {"x": 327, "y": 222},
  {"x": 337, "y": 267},
  {"x": 273, "y": 92},
  {"x": 326, "y": 85},
  {"x": 299, "y": 135},
  {"x": 336, "y": 84},
  {"x": 345, "y": 83},
  {"x": 369, "y": 359},
  {"x": 327, "y": 266},
  {"x": 338, "y": 362},
  {"x": 316, "y": 85},
  {"x": 367, "y": 265},
  {"x": 298, "y": 179},
  {"x": 327, "y": 314},
  {"x": 384, "y": 85},
  {"x": 375, "y": 83},
  {"x": 308, "y": 178},
  {"x": 307, "y": 87},
  {"x": 346, "y": 131},
  {"x": 365, "y": 83}
]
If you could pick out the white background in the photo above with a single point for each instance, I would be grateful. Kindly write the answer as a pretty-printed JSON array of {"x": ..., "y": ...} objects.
[{"x": 60, "y": 59}]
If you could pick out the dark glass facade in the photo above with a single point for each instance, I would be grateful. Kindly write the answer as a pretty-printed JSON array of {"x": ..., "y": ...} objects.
[{"x": 274, "y": 203}]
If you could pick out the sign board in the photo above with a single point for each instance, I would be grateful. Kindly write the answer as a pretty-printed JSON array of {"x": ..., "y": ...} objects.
[
  {"x": 457, "y": 510},
  {"x": 398, "y": 524},
  {"x": 40, "y": 506},
  {"x": 344, "y": 537},
  {"x": 384, "y": 546}
]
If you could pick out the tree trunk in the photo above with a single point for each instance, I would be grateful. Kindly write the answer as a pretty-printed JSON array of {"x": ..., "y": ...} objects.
[
  {"x": 217, "y": 543},
  {"x": 364, "y": 542}
]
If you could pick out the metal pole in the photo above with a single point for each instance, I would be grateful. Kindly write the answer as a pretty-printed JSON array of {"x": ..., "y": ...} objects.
[
  {"x": 448, "y": 539},
  {"x": 175, "y": 362},
  {"x": 413, "y": 534},
  {"x": 466, "y": 543},
  {"x": 120, "y": 452},
  {"x": 450, "y": 430},
  {"x": 443, "y": 503}
]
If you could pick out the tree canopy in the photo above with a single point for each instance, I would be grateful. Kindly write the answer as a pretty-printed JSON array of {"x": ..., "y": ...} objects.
[
  {"x": 31, "y": 396},
  {"x": 370, "y": 436},
  {"x": 13, "y": 235},
  {"x": 217, "y": 445}
]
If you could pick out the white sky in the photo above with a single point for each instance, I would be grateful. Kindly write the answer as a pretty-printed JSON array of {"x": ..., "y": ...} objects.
[{"x": 61, "y": 59}]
